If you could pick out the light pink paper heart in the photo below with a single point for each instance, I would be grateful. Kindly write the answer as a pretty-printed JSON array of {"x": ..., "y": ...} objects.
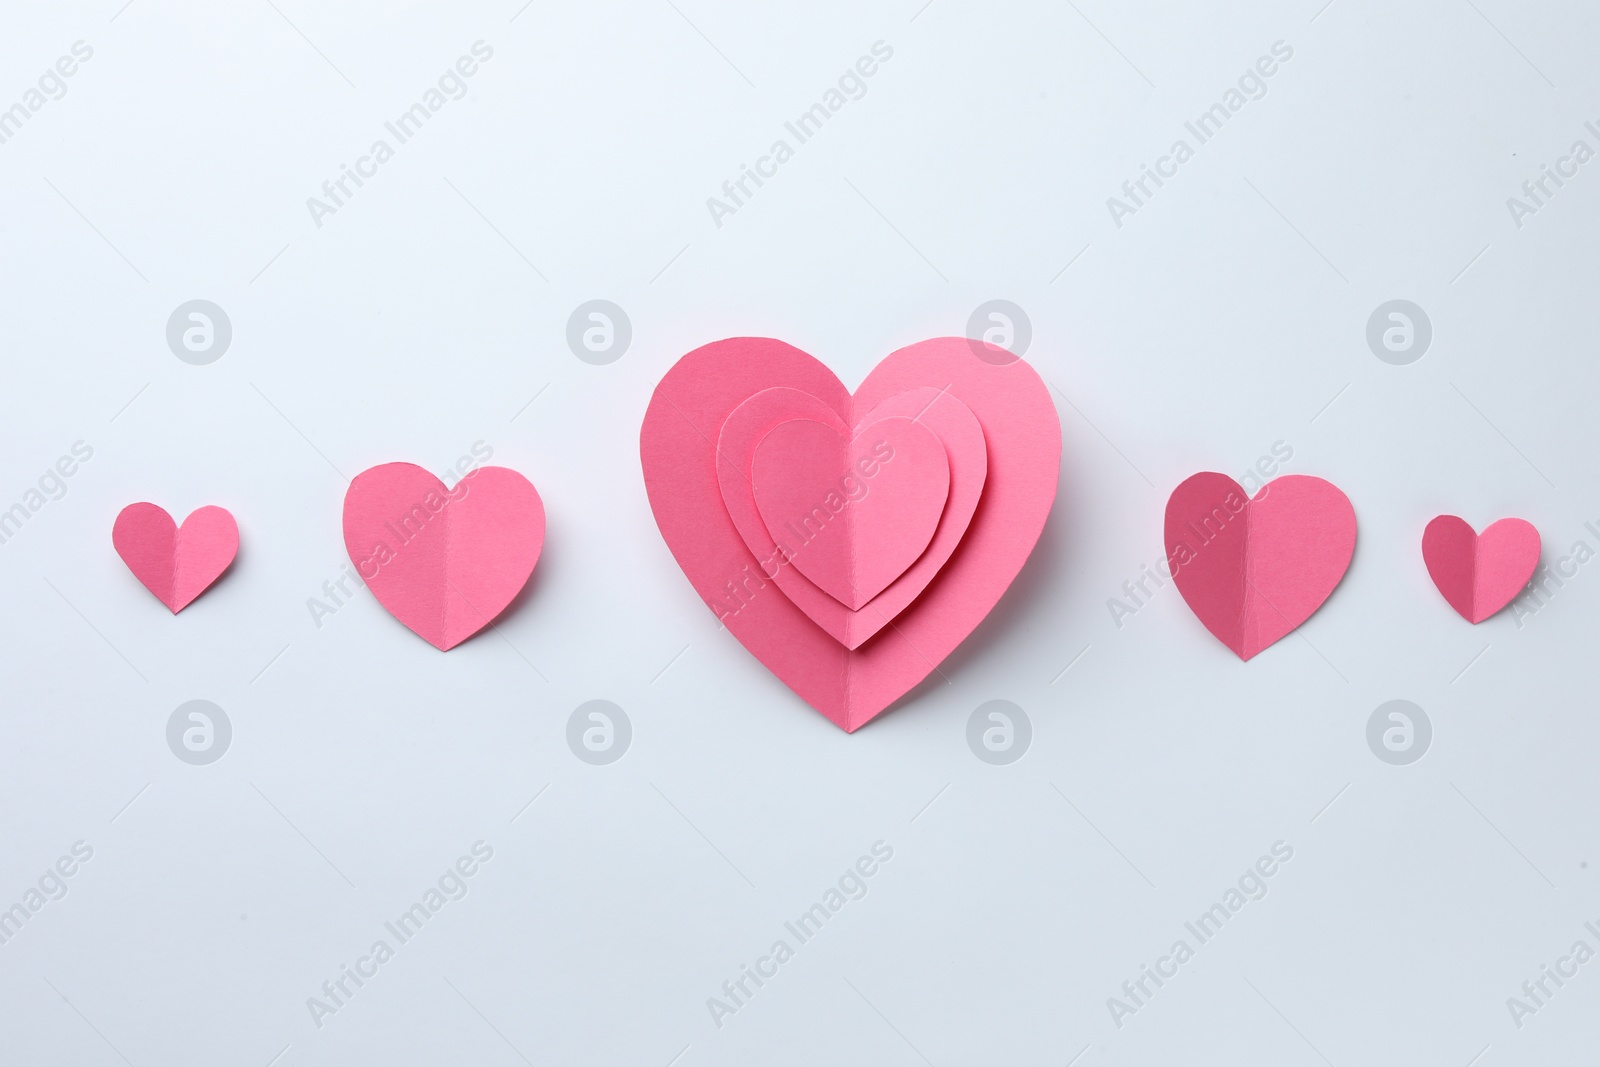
[
  {"x": 680, "y": 446},
  {"x": 445, "y": 562},
  {"x": 1252, "y": 570},
  {"x": 949, "y": 420},
  {"x": 176, "y": 563},
  {"x": 851, "y": 513},
  {"x": 1480, "y": 573}
]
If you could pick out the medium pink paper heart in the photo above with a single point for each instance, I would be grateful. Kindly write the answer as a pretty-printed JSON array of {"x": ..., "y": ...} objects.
[
  {"x": 176, "y": 563},
  {"x": 851, "y": 513},
  {"x": 1253, "y": 570},
  {"x": 681, "y": 458},
  {"x": 1480, "y": 573},
  {"x": 445, "y": 562},
  {"x": 951, "y": 421}
]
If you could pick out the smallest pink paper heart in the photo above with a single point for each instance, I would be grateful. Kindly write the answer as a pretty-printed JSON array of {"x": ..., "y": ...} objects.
[
  {"x": 176, "y": 563},
  {"x": 1480, "y": 573}
]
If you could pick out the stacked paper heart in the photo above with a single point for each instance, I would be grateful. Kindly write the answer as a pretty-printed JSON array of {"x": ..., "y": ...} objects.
[{"x": 850, "y": 542}]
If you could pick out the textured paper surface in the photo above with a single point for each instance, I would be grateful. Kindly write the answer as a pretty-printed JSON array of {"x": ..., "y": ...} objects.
[
  {"x": 853, "y": 513},
  {"x": 850, "y": 686},
  {"x": 445, "y": 562},
  {"x": 1252, "y": 570},
  {"x": 176, "y": 563},
  {"x": 1479, "y": 574},
  {"x": 967, "y": 457}
]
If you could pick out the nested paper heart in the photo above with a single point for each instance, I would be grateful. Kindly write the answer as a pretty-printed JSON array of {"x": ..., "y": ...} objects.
[
  {"x": 851, "y": 513},
  {"x": 699, "y": 444},
  {"x": 966, "y": 457}
]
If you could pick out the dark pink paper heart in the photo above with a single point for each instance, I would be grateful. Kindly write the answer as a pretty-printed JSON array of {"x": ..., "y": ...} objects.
[
  {"x": 1252, "y": 570},
  {"x": 680, "y": 461},
  {"x": 444, "y": 562},
  {"x": 176, "y": 563},
  {"x": 1480, "y": 573}
]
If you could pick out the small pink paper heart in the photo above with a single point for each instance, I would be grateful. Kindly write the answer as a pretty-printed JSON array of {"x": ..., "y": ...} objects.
[
  {"x": 851, "y": 513},
  {"x": 1480, "y": 573},
  {"x": 445, "y": 562},
  {"x": 176, "y": 563},
  {"x": 1252, "y": 570}
]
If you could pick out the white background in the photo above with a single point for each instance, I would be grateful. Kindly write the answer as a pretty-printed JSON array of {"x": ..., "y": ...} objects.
[{"x": 425, "y": 314}]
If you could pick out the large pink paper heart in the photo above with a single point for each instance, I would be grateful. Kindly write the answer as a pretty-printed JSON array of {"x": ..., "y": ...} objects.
[
  {"x": 1254, "y": 569},
  {"x": 176, "y": 563},
  {"x": 443, "y": 561},
  {"x": 1480, "y": 573},
  {"x": 679, "y": 447},
  {"x": 949, "y": 420},
  {"x": 851, "y": 513}
]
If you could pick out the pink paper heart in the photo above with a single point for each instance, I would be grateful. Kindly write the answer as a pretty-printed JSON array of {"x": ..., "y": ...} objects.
[
  {"x": 1480, "y": 573},
  {"x": 678, "y": 445},
  {"x": 1252, "y": 570},
  {"x": 950, "y": 420},
  {"x": 176, "y": 563},
  {"x": 445, "y": 562},
  {"x": 851, "y": 513}
]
